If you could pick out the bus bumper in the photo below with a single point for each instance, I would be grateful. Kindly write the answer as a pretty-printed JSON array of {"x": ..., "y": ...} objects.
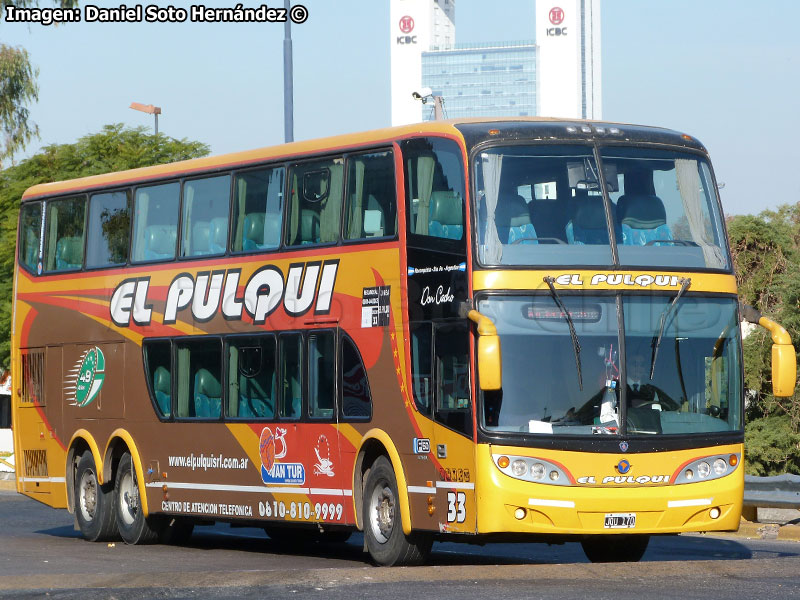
[{"x": 510, "y": 505}]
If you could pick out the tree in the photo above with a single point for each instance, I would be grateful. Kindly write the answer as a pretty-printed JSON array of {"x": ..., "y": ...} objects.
[
  {"x": 115, "y": 148},
  {"x": 766, "y": 254},
  {"x": 17, "y": 89}
]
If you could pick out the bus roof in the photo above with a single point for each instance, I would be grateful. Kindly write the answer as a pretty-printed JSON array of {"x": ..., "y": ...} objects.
[{"x": 472, "y": 130}]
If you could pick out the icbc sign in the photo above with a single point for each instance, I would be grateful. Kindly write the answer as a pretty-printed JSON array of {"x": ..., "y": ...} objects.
[
  {"x": 406, "y": 26},
  {"x": 556, "y": 18}
]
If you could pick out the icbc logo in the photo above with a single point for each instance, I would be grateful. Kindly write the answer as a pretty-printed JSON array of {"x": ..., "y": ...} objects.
[
  {"x": 556, "y": 16},
  {"x": 407, "y": 24}
]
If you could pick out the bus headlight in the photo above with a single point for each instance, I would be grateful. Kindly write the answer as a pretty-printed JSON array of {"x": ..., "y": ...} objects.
[
  {"x": 720, "y": 466},
  {"x": 703, "y": 469},
  {"x": 519, "y": 467},
  {"x": 537, "y": 471}
]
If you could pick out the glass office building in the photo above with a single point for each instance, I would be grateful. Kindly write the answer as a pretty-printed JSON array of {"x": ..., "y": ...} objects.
[{"x": 482, "y": 80}]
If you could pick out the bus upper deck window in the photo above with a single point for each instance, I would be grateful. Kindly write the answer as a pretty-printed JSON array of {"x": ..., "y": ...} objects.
[
  {"x": 155, "y": 222},
  {"x": 371, "y": 209},
  {"x": 65, "y": 234},
  {"x": 30, "y": 228},
  {"x": 205, "y": 216},
  {"x": 257, "y": 210},
  {"x": 315, "y": 202},
  {"x": 109, "y": 229}
]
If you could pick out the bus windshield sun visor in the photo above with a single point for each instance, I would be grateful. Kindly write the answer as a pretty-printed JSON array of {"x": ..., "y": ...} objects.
[
  {"x": 576, "y": 345},
  {"x": 685, "y": 283}
]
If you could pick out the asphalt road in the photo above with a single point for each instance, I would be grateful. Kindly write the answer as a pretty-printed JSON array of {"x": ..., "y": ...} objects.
[{"x": 42, "y": 556}]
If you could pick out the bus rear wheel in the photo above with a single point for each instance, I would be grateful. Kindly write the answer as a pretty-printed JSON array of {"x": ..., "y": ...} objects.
[
  {"x": 383, "y": 530},
  {"x": 93, "y": 503},
  {"x": 615, "y": 548},
  {"x": 133, "y": 526}
]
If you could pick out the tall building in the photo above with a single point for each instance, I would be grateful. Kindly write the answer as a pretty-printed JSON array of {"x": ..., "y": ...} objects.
[
  {"x": 482, "y": 80},
  {"x": 415, "y": 26},
  {"x": 557, "y": 76},
  {"x": 568, "y": 39}
]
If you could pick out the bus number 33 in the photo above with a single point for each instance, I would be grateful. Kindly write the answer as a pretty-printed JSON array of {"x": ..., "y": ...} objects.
[{"x": 456, "y": 507}]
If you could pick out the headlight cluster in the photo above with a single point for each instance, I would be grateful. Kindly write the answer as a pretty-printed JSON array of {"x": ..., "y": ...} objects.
[
  {"x": 706, "y": 468},
  {"x": 531, "y": 469}
]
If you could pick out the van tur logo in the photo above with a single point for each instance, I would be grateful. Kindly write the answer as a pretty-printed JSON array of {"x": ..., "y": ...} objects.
[{"x": 209, "y": 292}]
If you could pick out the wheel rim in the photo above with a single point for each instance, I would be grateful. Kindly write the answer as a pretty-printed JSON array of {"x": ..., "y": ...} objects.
[
  {"x": 87, "y": 495},
  {"x": 128, "y": 499},
  {"x": 382, "y": 511}
]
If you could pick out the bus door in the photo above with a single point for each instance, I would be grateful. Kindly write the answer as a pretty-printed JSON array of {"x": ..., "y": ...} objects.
[{"x": 440, "y": 369}]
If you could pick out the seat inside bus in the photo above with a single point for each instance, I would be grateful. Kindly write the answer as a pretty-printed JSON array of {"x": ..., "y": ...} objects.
[
  {"x": 162, "y": 390},
  {"x": 643, "y": 219},
  {"x": 207, "y": 395},
  {"x": 218, "y": 238},
  {"x": 256, "y": 400},
  {"x": 445, "y": 216},
  {"x": 200, "y": 238},
  {"x": 160, "y": 242},
  {"x": 69, "y": 253},
  {"x": 513, "y": 221},
  {"x": 587, "y": 224}
]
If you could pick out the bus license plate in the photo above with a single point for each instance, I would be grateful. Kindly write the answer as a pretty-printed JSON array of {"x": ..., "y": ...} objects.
[{"x": 620, "y": 521}]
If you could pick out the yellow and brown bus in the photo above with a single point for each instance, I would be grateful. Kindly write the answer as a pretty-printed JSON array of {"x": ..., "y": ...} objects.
[{"x": 517, "y": 329}]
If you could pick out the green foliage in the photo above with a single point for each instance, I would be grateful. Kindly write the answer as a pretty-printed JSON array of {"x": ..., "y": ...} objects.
[
  {"x": 766, "y": 254},
  {"x": 18, "y": 88},
  {"x": 772, "y": 446},
  {"x": 115, "y": 148}
]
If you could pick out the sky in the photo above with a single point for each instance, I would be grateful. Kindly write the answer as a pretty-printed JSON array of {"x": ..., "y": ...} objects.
[{"x": 725, "y": 71}]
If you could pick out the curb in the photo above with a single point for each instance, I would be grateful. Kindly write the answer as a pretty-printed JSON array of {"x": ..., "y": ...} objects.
[
  {"x": 765, "y": 531},
  {"x": 8, "y": 485}
]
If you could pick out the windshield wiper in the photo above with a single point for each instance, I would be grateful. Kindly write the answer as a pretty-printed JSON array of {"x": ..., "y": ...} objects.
[
  {"x": 685, "y": 283},
  {"x": 576, "y": 345}
]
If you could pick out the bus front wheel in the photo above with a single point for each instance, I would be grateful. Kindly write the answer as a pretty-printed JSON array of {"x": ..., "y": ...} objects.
[
  {"x": 93, "y": 503},
  {"x": 383, "y": 530},
  {"x": 133, "y": 526},
  {"x": 615, "y": 548}
]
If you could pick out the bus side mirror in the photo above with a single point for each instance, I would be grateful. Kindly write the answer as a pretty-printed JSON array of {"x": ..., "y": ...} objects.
[
  {"x": 490, "y": 363},
  {"x": 784, "y": 370},
  {"x": 490, "y": 367},
  {"x": 784, "y": 358}
]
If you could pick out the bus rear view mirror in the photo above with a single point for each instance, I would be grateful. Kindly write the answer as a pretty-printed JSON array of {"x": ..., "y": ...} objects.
[
  {"x": 490, "y": 364},
  {"x": 784, "y": 358}
]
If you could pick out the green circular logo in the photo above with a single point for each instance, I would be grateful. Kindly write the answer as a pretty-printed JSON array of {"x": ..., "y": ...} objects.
[{"x": 91, "y": 375}]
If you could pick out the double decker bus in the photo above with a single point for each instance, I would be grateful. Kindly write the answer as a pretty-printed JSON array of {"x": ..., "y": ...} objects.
[{"x": 473, "y": 330}]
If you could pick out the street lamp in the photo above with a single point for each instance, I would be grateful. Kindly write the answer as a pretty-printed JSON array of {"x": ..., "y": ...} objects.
[{"x": 149, "y": 109}]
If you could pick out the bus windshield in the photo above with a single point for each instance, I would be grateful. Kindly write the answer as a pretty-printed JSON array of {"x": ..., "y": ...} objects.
[
  {"x": 545, "y": 205},
  {"x": 690, "y": 384}
]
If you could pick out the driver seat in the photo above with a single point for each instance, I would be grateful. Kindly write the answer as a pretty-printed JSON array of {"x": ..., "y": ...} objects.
[{"x": 513, "y": 220}]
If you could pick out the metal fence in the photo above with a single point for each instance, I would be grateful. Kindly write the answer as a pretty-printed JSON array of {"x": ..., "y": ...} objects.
[{"x": 780, "y": 491}]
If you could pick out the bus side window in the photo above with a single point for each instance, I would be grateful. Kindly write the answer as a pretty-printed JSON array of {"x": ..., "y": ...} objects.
[
  {"x": 251, "y": 377},
  {"x": 159, "y": 375},
  {"x": 155, "y": 222},
  {"x": 435, "y": 189},
  {"x": 206, "y": 205},
  {"x": 291, "y": 353},
  {"x": 356, "y": 396},
  {"x": 371, "y": 202},
  {"x": 65, "y": 234},
  {"x": 109, "y": 229},
  {"x": 30, "y": 228},
  {"x": 315, "y": 202},
  {"x": 452, "y": 378},
  {"x": 257, "y": 210},
  {"x": 421, "y": 375},
  {"x": 199, "y": 370},
  {"x": 321, "y": 374}
]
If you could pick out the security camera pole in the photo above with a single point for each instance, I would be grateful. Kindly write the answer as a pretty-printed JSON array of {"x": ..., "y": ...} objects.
[
  {"x": 288, "y": 92},
  {"x": 423, "y": 95}
]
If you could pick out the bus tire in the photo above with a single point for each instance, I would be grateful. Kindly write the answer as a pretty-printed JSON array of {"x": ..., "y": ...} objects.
[
  {"x": 383, "y": 529},
  {"x": 93, "y": 503},
  {"x": 615, "y": 548},
  {"x": 133, "y": 526}
]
